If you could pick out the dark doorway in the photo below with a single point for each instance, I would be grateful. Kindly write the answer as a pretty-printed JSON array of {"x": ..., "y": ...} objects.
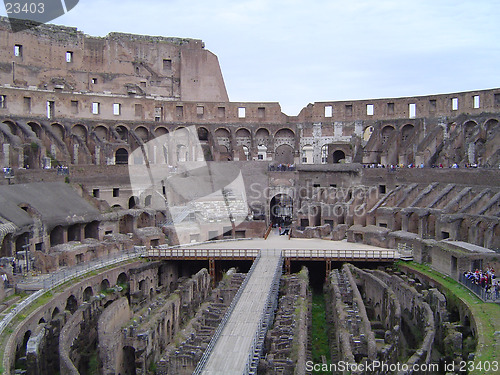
[
  {"x": 281, "y": 210},
  {"x": 121, "y": 156}
]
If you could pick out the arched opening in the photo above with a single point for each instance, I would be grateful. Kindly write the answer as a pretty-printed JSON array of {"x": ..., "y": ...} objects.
[
  {"x": 71, "y": 304},
  {"x": 20, "y": 362},
  {"x": 244, "y": 139},
  {"x": 55, "y": 312},
  {"x": 121, "y": 156},
  {"x": 431, "y": 226},
  {"x": 413, "y": 223},
  {"x": 6, "y": 250},
  {"x": 122, "y": 279},
  {"x": 128, "y": 365},
  {"x": 122, "y": 132},
  {"x": 202, "y": 134},
  {"x": 142, "y": 285},
  {"x": 338, "y": 156},
  {"x": 57, "y": 130},
  {"x": 284, "y": 154},
  {"x": 397, "y": 221},
  {"x": 148, "y": 200},
  {"x": 262, "y": 136},
  {"x": 160, "y": 131},
  {"x": 75, "y": 232},
  {"x": 92, "y": 230},
  {"x": 126, "y": 224},
  {"x": 133, "y": 202},
  {"x": 104, "y": 285},
  {"x": 57, "y": 236},
  {"x": 281, "y": 210},
  {"x": 387, "y": 132},
  {"x": 144, "y": 220},
  {"x": 22, "y": 240},
  {"x": 463, "y": 232},
  {"x": 495, "y": 245},
  {"x": 223, "y": 138},
  {"x": 101, "y": 132},
  {"x": 87, "y": 294},
  {"x": 36, "y": 129},
  {"x": 469, "y": 127},
  {"x": 142, "y": 133},
  {"x": 490, "y": 127},
  {"x": 407, "y": 132},
  {"x": 80, "y": 131}
]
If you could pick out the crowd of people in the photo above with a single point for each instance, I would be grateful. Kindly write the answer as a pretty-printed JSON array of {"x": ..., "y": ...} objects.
[
  {"x": 282, "y": 167},
  {"x": 486, "y": 279},
  {"x": 411, "y": 165}
]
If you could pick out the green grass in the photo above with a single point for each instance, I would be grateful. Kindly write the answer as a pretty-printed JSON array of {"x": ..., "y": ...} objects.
[
  {"x": 319, "y": 329},
  {"x": 486, "y": 315}
]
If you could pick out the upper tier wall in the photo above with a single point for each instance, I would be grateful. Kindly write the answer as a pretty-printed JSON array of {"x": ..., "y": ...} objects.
[{"x": 57, "y": 57}]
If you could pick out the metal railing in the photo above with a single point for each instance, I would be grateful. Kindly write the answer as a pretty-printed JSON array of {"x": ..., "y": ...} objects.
[
  {"x": 485, "y": 295},
  {"x": 66, "y": 274},
  {"x": 60, "y": 277},
  {"x": 373, "y": 255},
  {"x": 206, "y": 354},
  {"x": 188, "y": 253}
]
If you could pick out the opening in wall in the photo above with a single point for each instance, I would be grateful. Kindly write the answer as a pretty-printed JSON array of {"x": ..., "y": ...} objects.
[
  {"x": 18, "y": 50},
  {"x": 328, "y": 111},
  {"x": 369, "y": 110},
  {"x": 475, "y": 101},
  {"x": 242, "y": 112},
  {"x": 74, "y": 107},
  {"x": 454, "y": 104},
  {"x": 27, "y": 104},
  {"x": 117, "y": 109},
  {"x": 51, "y": 108},
  {"x": 412, "y": 110},
  {"x": 167, "y": 64},
  {"x": 69, "y": 56},
  {"x": 348, "y": 110}
]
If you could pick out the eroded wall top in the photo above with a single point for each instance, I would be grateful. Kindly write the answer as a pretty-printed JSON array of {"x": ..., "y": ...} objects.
[{"x": 63, "y": 58}]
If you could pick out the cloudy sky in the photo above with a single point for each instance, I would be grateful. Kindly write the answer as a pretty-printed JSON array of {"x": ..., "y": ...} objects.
[{"x": 296, "y": 52}]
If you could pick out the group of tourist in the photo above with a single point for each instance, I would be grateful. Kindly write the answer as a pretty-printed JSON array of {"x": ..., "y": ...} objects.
[
  {"x": 411, "y": 165},
  {"x": 282, "y": 167},
  {"x": 486, "y": 279}
]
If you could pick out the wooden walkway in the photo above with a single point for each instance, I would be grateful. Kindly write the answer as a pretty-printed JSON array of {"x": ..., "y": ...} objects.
[{"x": 231, "y": 352}]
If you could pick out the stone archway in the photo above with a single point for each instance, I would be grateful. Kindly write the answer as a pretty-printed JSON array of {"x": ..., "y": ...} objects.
[
  {"x": 338, "y": 156},
  {"x": 121, "y": 156},
  {"x": 284, "y": 154},
  {"x": 281, "y": 209}
]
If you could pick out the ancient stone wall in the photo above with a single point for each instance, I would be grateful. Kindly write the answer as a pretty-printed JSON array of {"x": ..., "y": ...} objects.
[
  {"x": 286, "y": 345},
  {"x": 416, "y": 315}
]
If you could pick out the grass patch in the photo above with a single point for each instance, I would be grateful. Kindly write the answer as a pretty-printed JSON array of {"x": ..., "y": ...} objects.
[
  {"x": 319, "y": 329},
  {"x": 486, "y": 315}
]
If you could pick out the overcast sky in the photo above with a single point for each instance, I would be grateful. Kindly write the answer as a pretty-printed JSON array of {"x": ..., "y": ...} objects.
[{"x": 297, "y": 52}]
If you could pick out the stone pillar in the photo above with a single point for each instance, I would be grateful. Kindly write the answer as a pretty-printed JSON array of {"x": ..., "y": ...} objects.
[
  {"x": 75, "y": 153},
  {"x": 6, "y": 155}
]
